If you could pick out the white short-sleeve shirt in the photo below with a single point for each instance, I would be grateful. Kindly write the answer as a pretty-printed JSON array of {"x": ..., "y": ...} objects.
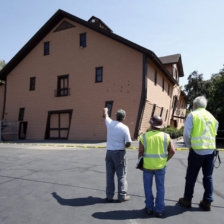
[{"x": 117, "y": 134}]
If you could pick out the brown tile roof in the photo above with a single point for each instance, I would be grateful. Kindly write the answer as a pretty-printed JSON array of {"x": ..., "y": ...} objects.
[
  {"x": 173, "y": 59},
  {"x": 170, "y": 59},
  {"x": 50, "y": 24}
]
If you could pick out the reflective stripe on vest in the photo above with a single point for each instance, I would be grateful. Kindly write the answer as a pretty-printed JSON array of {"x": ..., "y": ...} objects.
[
  {"x": 207, "y": 138},
  {"x": 207, "y": 130},
  {"x": 156, "y": 156}
]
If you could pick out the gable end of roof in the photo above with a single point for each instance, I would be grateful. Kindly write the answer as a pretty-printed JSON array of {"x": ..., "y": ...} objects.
[{"x": 56, "y": 18}]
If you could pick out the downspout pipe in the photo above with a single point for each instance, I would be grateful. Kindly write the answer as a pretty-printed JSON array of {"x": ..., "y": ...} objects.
[
  {"x": 4, "y": 99},
  {"x": 143, "y": 96}
]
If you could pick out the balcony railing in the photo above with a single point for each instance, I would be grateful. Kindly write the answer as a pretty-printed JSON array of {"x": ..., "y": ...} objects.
[{"x": 62, "y": 92}]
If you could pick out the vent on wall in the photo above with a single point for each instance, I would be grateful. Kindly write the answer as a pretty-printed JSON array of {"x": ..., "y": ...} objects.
[{"x": 63, "y": 26}]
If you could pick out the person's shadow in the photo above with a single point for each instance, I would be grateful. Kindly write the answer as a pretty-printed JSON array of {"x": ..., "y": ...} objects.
[
  {"x": 78, "y": 201},
  {"x": 140, "y": 214},
  {"x": 118, "y": 214}
]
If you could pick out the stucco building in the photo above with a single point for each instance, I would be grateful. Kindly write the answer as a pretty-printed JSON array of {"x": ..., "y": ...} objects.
[{"x": 57, "y": 85}]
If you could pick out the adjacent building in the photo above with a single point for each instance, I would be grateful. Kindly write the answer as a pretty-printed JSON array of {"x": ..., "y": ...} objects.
[
  {"x": 1, "y": 99},
  {"x": 57, "y": 85}
]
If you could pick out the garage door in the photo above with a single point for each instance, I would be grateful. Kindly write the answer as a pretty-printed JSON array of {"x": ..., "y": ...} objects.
[{"x": 58, "y": 124}]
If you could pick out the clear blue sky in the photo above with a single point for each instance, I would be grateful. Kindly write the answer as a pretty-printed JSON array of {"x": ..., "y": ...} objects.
[{"x": 193, "y": 28}]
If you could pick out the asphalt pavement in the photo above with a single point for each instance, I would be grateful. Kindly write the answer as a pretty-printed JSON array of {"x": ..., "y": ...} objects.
[{"x": 49, "y": 182}]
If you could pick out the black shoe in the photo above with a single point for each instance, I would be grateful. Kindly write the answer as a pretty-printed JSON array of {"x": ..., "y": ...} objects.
[
  {"x": 205, "y": 205},
  {"x": 126, "y": 198},
  {"x": 159, "y": 214},
  {"x": 109, "y": 200},
  {"x": 184, "y": 203},
  {"x": 148, "y": 212}
]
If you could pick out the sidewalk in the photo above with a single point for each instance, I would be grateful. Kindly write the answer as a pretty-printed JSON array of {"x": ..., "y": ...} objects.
[{"x": 178, "y": 143}]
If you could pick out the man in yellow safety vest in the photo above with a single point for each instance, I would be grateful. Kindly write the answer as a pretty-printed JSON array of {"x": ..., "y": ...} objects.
[
  {"x": 156, "y": 148},
  {"x": 200, "y": 130}
]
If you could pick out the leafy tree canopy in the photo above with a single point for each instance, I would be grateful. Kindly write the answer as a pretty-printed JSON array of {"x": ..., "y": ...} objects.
[
  {"x": 2, "y": 64},
  {"x": 212, "y": 89},
  {"x": 216, "y": 97},
  {"x": 196, "y": 87}
]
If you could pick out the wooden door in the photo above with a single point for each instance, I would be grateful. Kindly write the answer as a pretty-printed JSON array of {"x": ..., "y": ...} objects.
[{"x": 58, "y": 124}]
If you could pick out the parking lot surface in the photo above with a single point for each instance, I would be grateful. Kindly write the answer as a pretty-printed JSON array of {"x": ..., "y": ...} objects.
[{"x": 50, "y": 183}]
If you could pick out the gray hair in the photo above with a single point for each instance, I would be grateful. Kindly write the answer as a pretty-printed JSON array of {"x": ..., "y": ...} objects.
[
  {"x": 200, "y": 101},
  {"x": 120, "y": 115}
]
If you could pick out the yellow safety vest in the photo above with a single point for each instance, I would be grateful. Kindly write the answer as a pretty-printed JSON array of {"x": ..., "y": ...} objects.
[
  {"x": 204, "y": 130},
  {"x": 155, "y": 149}
]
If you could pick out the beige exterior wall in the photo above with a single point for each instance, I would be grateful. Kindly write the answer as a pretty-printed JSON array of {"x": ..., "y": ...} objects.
[
  {"x": 173, "y": 70},
  {"x": 122, "y": 80},
  {"x": 156, "y": 95},
  {"x": 1, "y": 99},
  {"x": 180, "y": 107},
  {"x": 169, "y": 67},
  {"x": 181, "y": 111}
]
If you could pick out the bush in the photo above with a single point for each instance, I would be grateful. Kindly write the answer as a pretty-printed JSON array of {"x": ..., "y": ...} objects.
[{"x": 173, "y": 132}]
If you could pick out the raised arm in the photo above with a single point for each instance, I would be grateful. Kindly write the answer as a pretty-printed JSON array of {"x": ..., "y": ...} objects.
[{"x": 105, "y": 112}]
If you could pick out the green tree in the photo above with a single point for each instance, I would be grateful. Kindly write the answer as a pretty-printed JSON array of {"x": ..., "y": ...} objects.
[
  {"x": 216, "y": 97},
  {"x": 196, "y": 87},
  {"x": 212, "y": 89},
  {"x": 2, "y": 64}
]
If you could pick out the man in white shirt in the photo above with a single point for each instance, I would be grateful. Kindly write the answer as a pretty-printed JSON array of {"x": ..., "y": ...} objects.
[{"x": 118, "y": 138}]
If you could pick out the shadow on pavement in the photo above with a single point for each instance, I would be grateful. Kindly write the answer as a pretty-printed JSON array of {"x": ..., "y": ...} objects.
[
  {"x": 140, "y": 214},
  {"x": 78, "y": 201},
  {"x": 121, "y": 215}
]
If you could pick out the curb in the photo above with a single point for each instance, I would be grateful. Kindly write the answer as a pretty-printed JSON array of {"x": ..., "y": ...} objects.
[{"x": 86, "y": 146}]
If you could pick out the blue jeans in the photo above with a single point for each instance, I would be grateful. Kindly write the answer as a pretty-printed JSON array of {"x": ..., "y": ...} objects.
[
  {"x": 195, "y": 162},
  {"x": 149, "y": 198}
]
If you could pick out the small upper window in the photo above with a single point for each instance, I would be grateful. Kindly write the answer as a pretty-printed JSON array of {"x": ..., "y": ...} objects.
[
  {"x": 166, "y": 114},
  {"x": 109, "y": 105},
  {"x": 63, "y": 86},
  {"x": 99, "y": 74},
  {"x": 168, "y": 92},
  {"x": 163, "y": 84},
  {"x": 46, "y": 48},
  {"x": 155, "y": 78},
  {"x": 161, "y": 112},
  {"x": 32, "y": 83},
  {"x": 175, "y": 102},
  {"x": 83, "y": 40},
  {"x": 176, "y": 74},
  {"x": 153, "y": 110}
]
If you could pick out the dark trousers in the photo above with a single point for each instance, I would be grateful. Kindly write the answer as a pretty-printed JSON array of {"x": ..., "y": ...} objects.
[{"x": 195, "y": 162}]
